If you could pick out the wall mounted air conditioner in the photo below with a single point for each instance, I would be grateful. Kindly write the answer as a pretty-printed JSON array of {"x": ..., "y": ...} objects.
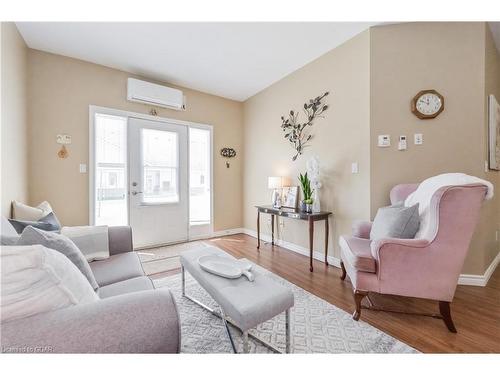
[{"x": 153, "y": 94}]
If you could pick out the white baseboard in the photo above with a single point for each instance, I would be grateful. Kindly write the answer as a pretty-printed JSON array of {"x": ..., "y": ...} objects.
[
  {"x": 227, "y": 232},
  {"x": 464, "y": 279},
  {"x": 219, "y": 233},
  {"x": 294, "y": 247},
  {"x": 480, "y": 280}
]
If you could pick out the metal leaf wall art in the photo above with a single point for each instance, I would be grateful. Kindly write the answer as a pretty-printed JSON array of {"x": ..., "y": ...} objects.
[{"x": 298, "y": 134}]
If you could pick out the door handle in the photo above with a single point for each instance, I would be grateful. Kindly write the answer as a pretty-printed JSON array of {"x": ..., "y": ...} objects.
[{"x": 136, "y": 192}]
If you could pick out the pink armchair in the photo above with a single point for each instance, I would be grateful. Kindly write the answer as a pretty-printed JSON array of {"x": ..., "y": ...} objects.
[{"x": 424, "y": 268}]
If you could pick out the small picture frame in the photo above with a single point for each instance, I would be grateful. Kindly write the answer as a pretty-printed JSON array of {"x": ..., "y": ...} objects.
[{"x": 290, "y": 197}]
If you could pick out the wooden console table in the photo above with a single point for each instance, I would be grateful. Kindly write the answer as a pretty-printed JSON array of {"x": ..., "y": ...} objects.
[{"x": 299, "y": 215}]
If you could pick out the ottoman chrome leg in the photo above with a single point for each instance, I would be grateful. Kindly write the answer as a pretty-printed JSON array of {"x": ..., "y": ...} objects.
[
  {"x": 246, "y": 348},
  {"x": 223, "y": 316},
  {"x": 183, "y": 277},
  {"x": 287, "y": 331}
]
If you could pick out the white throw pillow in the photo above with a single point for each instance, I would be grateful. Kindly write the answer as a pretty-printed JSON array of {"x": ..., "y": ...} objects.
[
  {"x": 21, "y": 211},
  {"x": 93, "y": 241},
  {"x": 36, "y": 279},
  {"x": 425, "y": 191}
]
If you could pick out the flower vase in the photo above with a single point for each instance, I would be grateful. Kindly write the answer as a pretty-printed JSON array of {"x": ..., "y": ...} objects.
[
  {"x": 303, "y": 206},
  {"x": 316, "y": 206}
]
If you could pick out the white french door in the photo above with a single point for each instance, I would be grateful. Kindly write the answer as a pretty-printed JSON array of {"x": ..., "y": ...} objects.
[
  {"x": 153, "y": 174},
  {"x": 158, "y": 182}
]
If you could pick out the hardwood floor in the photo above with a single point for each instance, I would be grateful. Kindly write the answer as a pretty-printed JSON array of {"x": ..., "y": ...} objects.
[{"x": 475, "y": 310}]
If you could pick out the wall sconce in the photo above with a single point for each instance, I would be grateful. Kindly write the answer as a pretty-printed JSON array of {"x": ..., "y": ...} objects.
[
  {"x": 228, "y": 152},
  {"x": 63, "y": 139}
]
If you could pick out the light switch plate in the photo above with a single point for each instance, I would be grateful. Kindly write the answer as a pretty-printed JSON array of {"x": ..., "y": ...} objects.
[
  {"x": 418, "y": 138},
  {"x": 354, "y": 167},
  {"x": 83, "y": 168},
  {"x": 384, "y": 140}
]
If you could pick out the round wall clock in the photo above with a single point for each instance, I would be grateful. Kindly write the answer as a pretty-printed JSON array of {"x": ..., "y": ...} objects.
[{"x": 427, "y": 104}]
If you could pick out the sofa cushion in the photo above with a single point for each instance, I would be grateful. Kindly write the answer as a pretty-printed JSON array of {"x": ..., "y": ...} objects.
[
  {"x": 36, "y": 279},
  {"x": 357, "y": 252},
  {"x": 62, "y": 244},
  {"x": 136, "y": 284},
  {"x": 117, "y": 268},
  {"x": 92, "y": 240}
]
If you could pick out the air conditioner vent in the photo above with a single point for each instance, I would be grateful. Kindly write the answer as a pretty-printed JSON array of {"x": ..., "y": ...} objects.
[{"x": 153, "y": 94}]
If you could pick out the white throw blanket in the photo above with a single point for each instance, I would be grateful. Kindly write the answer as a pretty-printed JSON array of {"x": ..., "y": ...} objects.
[
  {"x": 92, "y": 241},
  {"x": 426, "y": 190}
]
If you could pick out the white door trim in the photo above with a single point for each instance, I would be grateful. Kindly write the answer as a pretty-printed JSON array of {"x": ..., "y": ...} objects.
[{"x": 93, "y": 109}]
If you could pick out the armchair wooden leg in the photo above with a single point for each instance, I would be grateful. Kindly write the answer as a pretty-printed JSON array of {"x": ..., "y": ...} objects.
[
  {"x": 358, "y": 297},
  {"x": 342, "y": 277},
  {"x": 444, "y": 309}
]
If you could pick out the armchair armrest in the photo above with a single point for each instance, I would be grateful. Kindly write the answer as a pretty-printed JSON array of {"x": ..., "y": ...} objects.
[
  {"x": 361, "y": 229},
  {"x": 140, "y": 322},
  {"x": 120, "y": 239},
  {"x": 396, "y": 244}
]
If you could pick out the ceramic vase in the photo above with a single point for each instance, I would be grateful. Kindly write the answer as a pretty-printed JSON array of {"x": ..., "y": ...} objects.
[{"x": 316, "y": 206}]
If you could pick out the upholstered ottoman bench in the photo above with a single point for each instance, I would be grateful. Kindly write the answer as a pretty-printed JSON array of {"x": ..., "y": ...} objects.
[{"x": 242, "y": 303}]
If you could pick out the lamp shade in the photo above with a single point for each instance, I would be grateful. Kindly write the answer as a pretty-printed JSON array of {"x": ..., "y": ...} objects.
[{"x": 275, "y": 182}]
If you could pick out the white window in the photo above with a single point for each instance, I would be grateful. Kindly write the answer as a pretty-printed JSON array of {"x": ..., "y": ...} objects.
[
  {"x": 199, "y": 170},
  {"x": 160, "y": 166},
  {"x": 110, "y": 170}
]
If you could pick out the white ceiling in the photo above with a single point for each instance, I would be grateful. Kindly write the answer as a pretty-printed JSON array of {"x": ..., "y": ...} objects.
[{"x": 233, "y": 60}]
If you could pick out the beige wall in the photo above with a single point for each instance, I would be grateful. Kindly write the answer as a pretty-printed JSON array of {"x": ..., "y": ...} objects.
[
  {"x": 14, "y": 153},
  {"x": 341, "y": 138},
  {"x": 60, "y": 92},
  {"x": 449, "y": 57}
]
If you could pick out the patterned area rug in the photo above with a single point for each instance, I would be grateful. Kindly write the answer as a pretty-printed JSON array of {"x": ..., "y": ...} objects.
[
  {"x": 317, "y": 326},
  {"x": 165, "y": 258}
]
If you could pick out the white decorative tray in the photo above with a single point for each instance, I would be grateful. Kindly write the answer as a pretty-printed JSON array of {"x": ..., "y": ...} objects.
[{"x": 225, "y": 267}]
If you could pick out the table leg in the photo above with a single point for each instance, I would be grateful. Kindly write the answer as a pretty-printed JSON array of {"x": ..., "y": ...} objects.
[
  {"x": 311, "y": 243},
  {"x": 272, "y": 230},
  {"x": 258, "y": 229},
  {"x": 327, "y": 228}
]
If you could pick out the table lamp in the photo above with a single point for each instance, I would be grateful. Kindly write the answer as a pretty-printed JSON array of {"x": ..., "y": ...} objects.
[{"x": 275, "y": 183}]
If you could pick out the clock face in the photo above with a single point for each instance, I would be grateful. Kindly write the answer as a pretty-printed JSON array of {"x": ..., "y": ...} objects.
[{"x": 427, "y": 104}]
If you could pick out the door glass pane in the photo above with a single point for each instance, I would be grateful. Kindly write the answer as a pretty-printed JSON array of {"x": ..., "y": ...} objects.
[
  {"x": 199, "y": 176},
  {"x": 160, "y": 165},
  {"x": 110, "y": 170}
]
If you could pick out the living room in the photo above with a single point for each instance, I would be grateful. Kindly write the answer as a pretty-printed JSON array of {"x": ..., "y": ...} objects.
[{"x": 334, "y": 193}]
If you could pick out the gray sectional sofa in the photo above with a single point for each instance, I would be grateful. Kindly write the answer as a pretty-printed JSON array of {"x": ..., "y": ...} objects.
[{"x": 130, "y": 317}]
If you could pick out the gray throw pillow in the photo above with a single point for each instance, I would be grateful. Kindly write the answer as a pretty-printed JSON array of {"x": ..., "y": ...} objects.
[
  {"x": 8, "y": 240},
  {"x": 47, "y": 223},
  {"x": 62, "y": 244},
  {"x": 395, "y": 221}
]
